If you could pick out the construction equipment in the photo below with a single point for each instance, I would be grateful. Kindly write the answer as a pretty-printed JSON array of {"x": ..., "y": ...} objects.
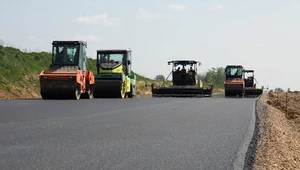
[
  {"x": 114, "y": 77},
  {"x": 67, "y": 77},
  {"x": 238, "y": 84},
  {"x": 184, "y": 84},
  {"x": 250, "y": 87},
  {"x": 234, "y": 84}
]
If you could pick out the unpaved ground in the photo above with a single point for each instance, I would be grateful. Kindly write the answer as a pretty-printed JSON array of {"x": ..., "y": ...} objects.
[
  {"x": 288, "y": 103},
  {"x": 18, "y": 93},
  {"x": 279, "y": 143}
]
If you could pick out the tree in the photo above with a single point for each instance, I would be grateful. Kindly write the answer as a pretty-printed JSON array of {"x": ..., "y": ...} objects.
[
  {"x": 160, "y": 77},
  {"x": 216, "y": 76}
]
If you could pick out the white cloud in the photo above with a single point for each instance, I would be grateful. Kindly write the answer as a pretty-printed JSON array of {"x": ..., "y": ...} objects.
[
  {"x": 145, "y": 14},
  {"x": 35, "y": 39},
  {"x": 101, "y": 19},
  {"x": 177, "y": 7},
  {"x": 88, "y": 38},
  {"x": 218, "y": 7}
]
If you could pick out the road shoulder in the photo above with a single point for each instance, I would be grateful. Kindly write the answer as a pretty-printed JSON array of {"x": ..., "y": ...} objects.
[{"x": 278, "y": 145}]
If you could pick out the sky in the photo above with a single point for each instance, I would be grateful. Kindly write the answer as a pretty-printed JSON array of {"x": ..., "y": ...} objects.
[{"x": 260, "y": 35}]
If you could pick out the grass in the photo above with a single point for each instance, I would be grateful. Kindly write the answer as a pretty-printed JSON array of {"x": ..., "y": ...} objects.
[{"x": 16, "y": 66}]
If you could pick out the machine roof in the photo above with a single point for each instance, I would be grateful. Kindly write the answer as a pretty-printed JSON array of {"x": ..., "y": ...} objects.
[
  {"x": 113, "y": 50},
  {"x": 248, "y": 71},
  {"x": 183, "y": 62},
  {"x": 70, "y": 42},
  {"x": 234, "y": 66}
]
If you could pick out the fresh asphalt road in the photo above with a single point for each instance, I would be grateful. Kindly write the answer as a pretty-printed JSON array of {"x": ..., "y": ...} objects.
[{"x": 138, "y": 133}]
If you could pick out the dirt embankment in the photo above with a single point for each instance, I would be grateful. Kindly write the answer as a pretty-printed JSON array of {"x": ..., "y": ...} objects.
[
  {"x": 18, "y": 94},
  {"x": 279, "y": 143}
]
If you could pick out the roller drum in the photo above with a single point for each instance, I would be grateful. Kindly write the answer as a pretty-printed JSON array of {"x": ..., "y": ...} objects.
[
  {"x": 234, "y": 90},
  {"x": 109, "y": 89},
  {"x": 60, "y": 90}
]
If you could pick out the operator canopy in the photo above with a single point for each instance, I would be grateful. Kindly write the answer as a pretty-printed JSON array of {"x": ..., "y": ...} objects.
[{"x": 183, "y": 62}]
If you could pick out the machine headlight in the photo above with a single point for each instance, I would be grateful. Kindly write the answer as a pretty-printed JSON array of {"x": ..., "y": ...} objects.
[{"x": 45, "y": 77}]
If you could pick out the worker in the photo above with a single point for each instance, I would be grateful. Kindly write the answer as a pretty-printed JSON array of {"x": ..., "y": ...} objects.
[
  {"x": 103, "y": 58},
  {"x": 191, "y": 69},
  {"x": 183, "y": 70},
  {"x": 61, "y": 57},
  {"x": 65, "y": 56}
]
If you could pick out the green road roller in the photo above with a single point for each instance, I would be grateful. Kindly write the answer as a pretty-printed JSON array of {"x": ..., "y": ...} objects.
[{"x": 114, "y": 78}]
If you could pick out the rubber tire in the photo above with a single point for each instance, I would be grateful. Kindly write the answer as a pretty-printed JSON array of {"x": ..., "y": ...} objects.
[
  {"x": 122, "y": 91},
  {"x": 89, "y": 94},
  {"x": 130, "y": 94},
  {"x": 77, "y": 93}
]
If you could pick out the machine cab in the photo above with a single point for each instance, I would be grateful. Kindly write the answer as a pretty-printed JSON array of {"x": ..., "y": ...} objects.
[
  {"x": 248, "y": 76},
  {"x": 69, "y": 53},
  {"x": 184, "y": 72},
  {"x": 114, "y": 61},
  {"x": 234, "y": 72}
]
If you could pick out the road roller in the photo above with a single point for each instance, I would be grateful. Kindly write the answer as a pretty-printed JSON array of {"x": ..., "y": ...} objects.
[
  {"x": 67, "y": 76},
  {"x": 185, "y": 83},
  {"x": 114, "y": 78},
  {"x": 239, "y": 83},
  {"x": 234, "y": 84}
]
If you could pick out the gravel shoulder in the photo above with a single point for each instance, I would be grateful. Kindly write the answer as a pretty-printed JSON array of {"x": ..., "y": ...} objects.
[{"x": 278, "y": 146}]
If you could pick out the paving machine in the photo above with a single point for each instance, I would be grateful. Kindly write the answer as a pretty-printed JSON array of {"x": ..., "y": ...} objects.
[
  {"x": 184, "y": 83},
  {"x": 238, "y": 84},
  {"x": 67, "y": 76},
  {"x": 114, "y": 77}
]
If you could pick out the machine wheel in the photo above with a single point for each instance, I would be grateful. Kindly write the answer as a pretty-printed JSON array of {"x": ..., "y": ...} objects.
[
  {"x": 89, "y": 94},
  {"x": 123, "y": 91},
  {"x": 77, "y": 92},
  {"x": 131, "y": 93}
]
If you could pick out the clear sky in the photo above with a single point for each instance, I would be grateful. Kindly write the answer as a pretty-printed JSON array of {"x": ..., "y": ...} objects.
[{"x": 260, "y": 35}]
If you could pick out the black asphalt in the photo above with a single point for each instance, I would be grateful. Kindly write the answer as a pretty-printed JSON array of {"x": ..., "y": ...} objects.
[{"x": 139, "y": 133}]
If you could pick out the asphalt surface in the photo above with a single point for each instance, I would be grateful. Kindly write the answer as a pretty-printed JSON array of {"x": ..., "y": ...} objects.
[{"x": 139, "y": 133}]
